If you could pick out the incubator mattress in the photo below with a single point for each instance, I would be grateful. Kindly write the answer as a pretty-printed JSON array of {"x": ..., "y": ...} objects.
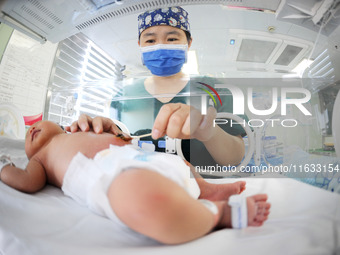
[{"x": 304, "y": 220}]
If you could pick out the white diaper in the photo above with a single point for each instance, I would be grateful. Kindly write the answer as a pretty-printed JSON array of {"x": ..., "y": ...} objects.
[{"x": 87, "y": 180}]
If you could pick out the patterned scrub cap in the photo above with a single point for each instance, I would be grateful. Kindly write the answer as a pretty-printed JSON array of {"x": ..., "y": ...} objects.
[{"x": 172, "y": 16}]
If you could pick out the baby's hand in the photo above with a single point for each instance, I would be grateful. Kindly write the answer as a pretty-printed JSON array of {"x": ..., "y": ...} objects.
[{"x": 124, "y": 137}]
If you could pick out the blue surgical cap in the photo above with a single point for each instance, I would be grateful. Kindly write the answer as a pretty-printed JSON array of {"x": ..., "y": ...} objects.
[{"x": 172, "y": 16}]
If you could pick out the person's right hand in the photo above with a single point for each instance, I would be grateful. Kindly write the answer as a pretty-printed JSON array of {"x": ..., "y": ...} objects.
[{"x": 98, "y": 125}]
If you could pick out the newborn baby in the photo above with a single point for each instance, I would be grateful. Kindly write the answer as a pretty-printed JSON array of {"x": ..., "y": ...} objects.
[{"x": 149, "y": 192}]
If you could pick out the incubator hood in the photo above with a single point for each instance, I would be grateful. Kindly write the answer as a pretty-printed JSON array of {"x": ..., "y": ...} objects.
[
  {"x": 57, "y": 20},
  {"x": 97, "y": 57},
  {"x": 278, "y": 47}
]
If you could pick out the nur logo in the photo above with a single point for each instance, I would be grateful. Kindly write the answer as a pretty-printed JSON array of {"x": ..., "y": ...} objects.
[
  {"x": 211, "y": 95},
  {"x": 239, "y": 99}
]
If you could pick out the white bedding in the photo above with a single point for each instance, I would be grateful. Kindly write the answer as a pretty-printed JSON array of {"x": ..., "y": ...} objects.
[{"x": 303, "y": 220}]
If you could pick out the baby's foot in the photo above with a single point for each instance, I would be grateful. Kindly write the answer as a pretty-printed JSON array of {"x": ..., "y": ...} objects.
[
  {"x": 257, "y": 208},
  {"x": 218, "y": 192}
]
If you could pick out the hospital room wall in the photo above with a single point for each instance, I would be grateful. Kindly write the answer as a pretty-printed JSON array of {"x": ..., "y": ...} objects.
[
  {"x": 5, "y": 35},
  {"x": 24, "y": 72},
  {"x": 31, "y": 74}
]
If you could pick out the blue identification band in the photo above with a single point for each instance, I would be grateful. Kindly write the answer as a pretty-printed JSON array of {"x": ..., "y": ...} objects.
[{"x": 239, "y": 212}]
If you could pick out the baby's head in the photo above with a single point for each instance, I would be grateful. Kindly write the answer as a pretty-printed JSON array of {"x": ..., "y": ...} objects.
[{"x": 39, "y": 134}]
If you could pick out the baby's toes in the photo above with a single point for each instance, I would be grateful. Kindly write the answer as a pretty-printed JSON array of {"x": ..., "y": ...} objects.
[
  {"x": 242, "y": 186},
  {"x": 260, "y": 198},
  {"x": 262, "y": 210},
  {"x": 260, "y": 218},
  {"x": 239, "y": 187},
  {"x": 256, "y": 223}
]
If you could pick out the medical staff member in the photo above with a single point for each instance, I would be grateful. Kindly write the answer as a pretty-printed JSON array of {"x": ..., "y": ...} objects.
[{"x": 164, "y": 40}]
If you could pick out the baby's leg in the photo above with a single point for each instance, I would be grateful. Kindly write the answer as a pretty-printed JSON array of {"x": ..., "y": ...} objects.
[
  {"x": 157, "y": 207},
  {"x": 217, "y": 192}
]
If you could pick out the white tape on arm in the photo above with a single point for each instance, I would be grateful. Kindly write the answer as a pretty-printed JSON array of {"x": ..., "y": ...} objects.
[
  {"x": 210, "y": 205},
  {"x": 4, "y": 161},
  {"x": 239, "y": 212}
]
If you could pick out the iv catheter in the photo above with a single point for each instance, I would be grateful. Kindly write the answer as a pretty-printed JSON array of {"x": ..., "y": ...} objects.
[{"x": 140, "y": 136}]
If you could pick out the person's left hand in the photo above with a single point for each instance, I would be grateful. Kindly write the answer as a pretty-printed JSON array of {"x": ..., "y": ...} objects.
[
  {"x": 184, "y": 122},
  {"x": 98, "y": 125}
]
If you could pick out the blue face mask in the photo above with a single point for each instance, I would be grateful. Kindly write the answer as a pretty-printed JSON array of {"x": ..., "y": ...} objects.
[{"x": 164, "y": 59}]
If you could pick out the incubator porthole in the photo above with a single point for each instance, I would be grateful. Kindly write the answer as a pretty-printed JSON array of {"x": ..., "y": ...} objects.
[{"x": 279, "y": 146}]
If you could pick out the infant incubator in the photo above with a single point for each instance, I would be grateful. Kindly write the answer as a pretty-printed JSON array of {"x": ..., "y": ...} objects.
[{"x": 276, "y": 75}]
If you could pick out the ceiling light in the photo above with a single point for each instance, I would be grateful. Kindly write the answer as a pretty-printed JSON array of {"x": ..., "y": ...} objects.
[{"x": 301, "y": 67}]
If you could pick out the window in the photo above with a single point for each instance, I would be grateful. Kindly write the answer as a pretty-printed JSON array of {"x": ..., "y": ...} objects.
[{"x": 83, "y": 80}]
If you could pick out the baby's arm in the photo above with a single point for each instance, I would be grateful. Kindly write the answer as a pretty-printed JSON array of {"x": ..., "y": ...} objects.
[{"x": 30, "y": 180}]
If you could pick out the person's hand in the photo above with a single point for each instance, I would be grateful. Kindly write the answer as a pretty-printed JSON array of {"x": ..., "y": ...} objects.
[
  {"x": 184, "y": 122},
  {"x": 98, "y": 125}
]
